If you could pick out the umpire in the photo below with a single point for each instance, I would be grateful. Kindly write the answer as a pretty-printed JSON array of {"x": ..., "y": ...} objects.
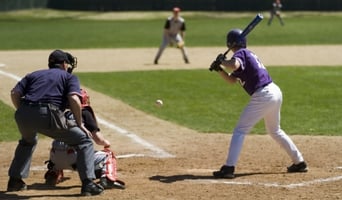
[{"x": 40, "y": 99}]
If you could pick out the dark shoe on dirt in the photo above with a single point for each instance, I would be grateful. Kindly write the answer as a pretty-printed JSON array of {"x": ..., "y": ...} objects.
[
  {"x": 108, "y": 184},
  {"x": 225, "y": 172},
  {"x": 16, "y": 184},
  {"x": 91, "y": 189},
  {"x": 300, "y": 167},
  {"x": 186, "y": 60}
]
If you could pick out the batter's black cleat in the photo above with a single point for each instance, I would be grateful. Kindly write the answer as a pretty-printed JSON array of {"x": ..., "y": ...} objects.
[
  {"x": 225, "y": 172},
  {"x": 156, "y": 62},
  {"x": 91, "y": 189},
  {"x": 16, "y": 184},
  {"x": 186, "y": 61},
  {"x": 300, "y": 167}
]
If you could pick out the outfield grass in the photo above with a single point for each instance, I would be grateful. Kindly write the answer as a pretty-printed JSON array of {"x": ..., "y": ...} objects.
[
  {"x": 69, "y": 30},
  {"x": 202, "y": 101}
]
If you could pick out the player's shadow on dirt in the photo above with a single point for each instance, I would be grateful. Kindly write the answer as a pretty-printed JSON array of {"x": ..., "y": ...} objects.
[
  {"x": 38, "y": 187},
  {"x": 183, "y": 177}
]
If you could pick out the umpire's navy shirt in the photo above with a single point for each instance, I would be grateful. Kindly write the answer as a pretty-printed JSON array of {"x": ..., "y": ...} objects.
[{"x": 48, "y": 86}]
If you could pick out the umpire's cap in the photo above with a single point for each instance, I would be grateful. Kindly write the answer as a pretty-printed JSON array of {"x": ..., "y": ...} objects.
[{"x": 58, "y": 57}]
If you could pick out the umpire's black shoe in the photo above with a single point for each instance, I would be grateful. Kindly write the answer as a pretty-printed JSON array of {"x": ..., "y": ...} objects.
[
  {"x": 91, "y": 189},
  {"x": 300, "y": 167},
  {"x": 225, "y": 172},
  {"x": 16, "y": 184}
]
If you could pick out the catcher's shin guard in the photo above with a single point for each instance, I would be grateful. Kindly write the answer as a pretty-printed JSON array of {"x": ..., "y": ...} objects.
[{"x": 109, "y": 178}]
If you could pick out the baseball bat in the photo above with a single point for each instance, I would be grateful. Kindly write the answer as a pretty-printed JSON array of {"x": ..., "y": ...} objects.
[{"x": 249, "y": 28}]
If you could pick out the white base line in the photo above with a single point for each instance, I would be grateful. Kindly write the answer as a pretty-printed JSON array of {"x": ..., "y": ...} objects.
[
  {"x": 12, "y": 76},
  {"x": 157, "y": 151},
  {"x": 292, "y": 185}
]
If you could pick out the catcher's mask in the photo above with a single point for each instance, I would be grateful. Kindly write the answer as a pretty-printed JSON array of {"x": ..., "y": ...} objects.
[
  {"x": 234, "y": 39},
  {"x": 85, "y": 99}
]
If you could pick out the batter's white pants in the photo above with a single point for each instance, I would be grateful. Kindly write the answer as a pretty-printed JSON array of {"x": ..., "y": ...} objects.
[{"x": 264, "y": 104}]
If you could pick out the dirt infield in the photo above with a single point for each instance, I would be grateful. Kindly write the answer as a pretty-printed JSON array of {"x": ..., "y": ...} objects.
[{"x": 160, "y": 160}]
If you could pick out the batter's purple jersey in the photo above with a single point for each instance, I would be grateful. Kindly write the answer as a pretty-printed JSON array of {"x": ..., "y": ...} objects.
[{"x": 252, "y": 73}]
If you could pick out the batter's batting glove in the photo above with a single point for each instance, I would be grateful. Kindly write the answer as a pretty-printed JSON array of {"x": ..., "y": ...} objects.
[
  {"x": 215, "y": 66},
  {"x": 220, "y": 58}
]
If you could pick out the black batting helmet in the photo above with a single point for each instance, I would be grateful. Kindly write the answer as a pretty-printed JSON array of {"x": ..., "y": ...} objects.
[{"x": 234, "y": 39}]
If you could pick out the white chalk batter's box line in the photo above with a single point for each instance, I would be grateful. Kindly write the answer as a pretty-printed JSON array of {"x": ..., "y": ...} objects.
[{"x": 277, "y": 185}]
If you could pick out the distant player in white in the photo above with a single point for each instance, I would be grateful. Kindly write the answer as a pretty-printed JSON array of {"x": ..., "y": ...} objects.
[
  {"x": 174, "y": 33},
  {"x": 275, "y": 11},
  {"x": 265, "y": 103}
]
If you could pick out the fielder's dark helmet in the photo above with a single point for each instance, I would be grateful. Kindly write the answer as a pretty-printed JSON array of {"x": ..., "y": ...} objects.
[{"x": 234, "y": 39}]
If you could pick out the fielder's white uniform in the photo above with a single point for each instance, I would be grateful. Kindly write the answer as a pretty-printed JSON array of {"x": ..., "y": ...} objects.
[{"x": 173, "y": 30}]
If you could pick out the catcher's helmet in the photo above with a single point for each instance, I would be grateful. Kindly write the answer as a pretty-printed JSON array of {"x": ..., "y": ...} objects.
[
  {"x": 84, "y": 98},
  {"x": 234, "y": 39}
]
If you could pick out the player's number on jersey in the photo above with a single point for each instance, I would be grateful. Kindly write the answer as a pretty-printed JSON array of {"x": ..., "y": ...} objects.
[{"x": 260, "y": 65}]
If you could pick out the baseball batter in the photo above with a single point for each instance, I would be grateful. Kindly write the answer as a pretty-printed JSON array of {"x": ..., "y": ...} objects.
[
  {"x": 174, "y": 33},
  {"x": 265, "y": 103}
]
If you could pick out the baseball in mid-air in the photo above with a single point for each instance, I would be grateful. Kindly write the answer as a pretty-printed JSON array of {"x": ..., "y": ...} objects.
[{"x": 159, "y": 102}]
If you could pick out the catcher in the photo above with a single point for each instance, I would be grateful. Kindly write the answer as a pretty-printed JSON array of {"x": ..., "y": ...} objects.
[
  {"x": 63, "y": 156},
  {"x": 174, "y": 33}
]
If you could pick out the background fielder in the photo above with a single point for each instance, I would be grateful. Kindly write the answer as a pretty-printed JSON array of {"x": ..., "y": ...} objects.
[
  {"x": 275, "y": 11},
  {"x": 174, "y": 33},
  {"x": 265, "y": 103}
]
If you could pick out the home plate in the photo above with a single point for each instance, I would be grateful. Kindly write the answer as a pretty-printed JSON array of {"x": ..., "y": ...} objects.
[{"x": 2, "y": 65}]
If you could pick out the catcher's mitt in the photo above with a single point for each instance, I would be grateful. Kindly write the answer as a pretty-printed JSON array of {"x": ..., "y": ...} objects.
[{"x": 180, "y": 44}]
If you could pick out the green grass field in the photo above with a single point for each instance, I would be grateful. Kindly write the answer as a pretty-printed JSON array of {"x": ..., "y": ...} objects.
[
  {"x": 193, "y": 98},
  {"x": 73, "y": 30},
  {"x": 202, "y": 101}
]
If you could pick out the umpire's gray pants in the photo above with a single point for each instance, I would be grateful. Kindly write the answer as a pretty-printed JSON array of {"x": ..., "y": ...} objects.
[{"x": 33, "y": 119}]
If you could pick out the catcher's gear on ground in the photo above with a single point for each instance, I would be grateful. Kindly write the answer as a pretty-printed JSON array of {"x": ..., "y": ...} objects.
[{"x": 53, "y": 177}]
